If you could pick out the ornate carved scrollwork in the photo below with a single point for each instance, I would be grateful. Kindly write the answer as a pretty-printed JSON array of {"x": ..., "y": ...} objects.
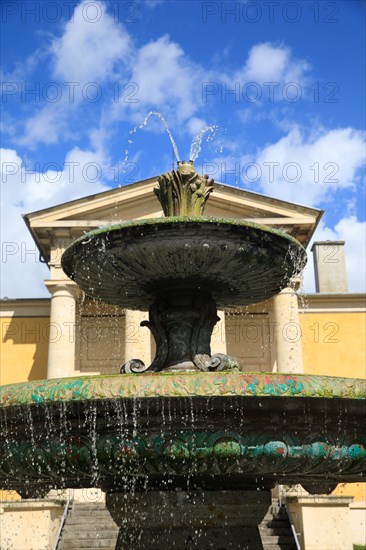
[
  {"x": 134, "y": 366},
  {"x": 182, "y": 323},
  {"x": 217, "y": 362}
]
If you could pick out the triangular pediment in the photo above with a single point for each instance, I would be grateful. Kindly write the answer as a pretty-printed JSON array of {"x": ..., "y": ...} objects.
[{"x": 138, "y": 201}]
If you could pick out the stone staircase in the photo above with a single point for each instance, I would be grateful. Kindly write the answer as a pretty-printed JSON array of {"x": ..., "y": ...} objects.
[
  {"x": 91, "y": 527},
  {"x": 275, "y": 529},
  {"x": 88, "y": 527}
]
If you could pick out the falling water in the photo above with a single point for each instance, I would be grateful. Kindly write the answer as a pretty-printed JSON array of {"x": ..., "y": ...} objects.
[
  {"x": 197, "y": 140},
  {"x": 144, "y": 123}
]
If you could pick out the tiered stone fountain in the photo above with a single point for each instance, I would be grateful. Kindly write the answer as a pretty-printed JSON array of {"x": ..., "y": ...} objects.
[{"x": 186, "y": 448}]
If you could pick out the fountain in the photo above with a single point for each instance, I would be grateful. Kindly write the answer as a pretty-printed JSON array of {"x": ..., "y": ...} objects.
[{"x": 187, "y": 448}]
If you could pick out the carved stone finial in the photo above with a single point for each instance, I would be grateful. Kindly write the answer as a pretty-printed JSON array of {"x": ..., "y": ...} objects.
[{"x": 183, "y": 192}]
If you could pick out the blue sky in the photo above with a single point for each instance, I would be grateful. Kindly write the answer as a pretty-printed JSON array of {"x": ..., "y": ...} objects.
[{"x": 282, "y": 83}]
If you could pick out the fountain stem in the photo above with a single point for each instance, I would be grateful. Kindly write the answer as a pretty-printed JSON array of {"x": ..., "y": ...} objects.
[{"x": 181, "y": 322}]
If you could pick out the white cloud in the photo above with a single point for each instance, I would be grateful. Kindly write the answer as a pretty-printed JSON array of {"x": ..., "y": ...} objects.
[
  {"x": 22, "y": 69},
  {"x": 267, "y": 62},
  {"x": 195, "y": 125},
  {"x": 26, "y": 191},
  {"x": 353, "y": 232},
  {"x": 166, "y": 79},
  {"x": 152, "y": 4},
  {"x": 91, "y": 45},
  {"x": 92, "y": 50},
  {"x": 311, "y": 167},
  {"x": 45, "y": 126}
]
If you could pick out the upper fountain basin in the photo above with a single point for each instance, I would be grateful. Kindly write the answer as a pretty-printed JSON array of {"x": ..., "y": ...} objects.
[{"x": 131, "y": 263}]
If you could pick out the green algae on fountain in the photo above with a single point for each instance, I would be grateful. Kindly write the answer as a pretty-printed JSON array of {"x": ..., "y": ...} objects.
[{"x": 170, "y": 384}]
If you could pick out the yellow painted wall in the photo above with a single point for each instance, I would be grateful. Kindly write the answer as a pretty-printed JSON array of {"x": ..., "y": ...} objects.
[
  {"x": 9, "y": 495},
  {"x": 334, "y": 344},
  {"x": 24, "y": 349},
  {"x": 356, "y": 490}
]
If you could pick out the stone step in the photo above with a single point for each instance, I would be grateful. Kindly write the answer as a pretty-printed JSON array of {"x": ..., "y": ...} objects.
[
  {"x": 88, "y": 543},
  {"x": 275, "y": 531},
  {"x": 98, "y": 516},
  {"x": 275, "y": 511},
  {"x": 113, "y": 547},
  {"x": 279, "y": 515},
  {"x": 276, "y": 526},
  {"x": 276, "y": 508},
  {"x": 90, "y": 547},
  {"x": 84, "y": 525},
  {"x": 92, "y": 518},
  {"x": 277, "y": 521},
  {"x": 84, "y": 522},
  {"x": 86, "y": 512},
  {"x": 89, "y": 506},
  {"x": 281, "y": 539},
  {"x": 72, "y": 535}
]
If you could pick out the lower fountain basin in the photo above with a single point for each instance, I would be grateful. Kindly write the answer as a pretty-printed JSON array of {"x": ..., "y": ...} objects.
[
  {"x": 205, "y": 430},
  {"x": 237, "y": 262}
]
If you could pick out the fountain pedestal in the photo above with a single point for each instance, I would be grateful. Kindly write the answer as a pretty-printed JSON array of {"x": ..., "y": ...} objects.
[
  {"x": 189, "y": 519},
  {"x": 181, "y": 321}
]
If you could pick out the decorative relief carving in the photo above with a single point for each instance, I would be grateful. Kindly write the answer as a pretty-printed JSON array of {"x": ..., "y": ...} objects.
[
  {"x": 77, "y": 459},
  {"x": 183, "y": 192}
]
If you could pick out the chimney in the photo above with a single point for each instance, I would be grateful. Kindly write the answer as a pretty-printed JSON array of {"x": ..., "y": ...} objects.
[{"x": 329, "y": 266}]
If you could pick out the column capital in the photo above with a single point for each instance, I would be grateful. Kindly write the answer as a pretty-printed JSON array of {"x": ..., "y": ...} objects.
[
  {"x": 65, "y": 286},
  {"x": 292, "y": 287},
  {"x": 296, "y": 282}
]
